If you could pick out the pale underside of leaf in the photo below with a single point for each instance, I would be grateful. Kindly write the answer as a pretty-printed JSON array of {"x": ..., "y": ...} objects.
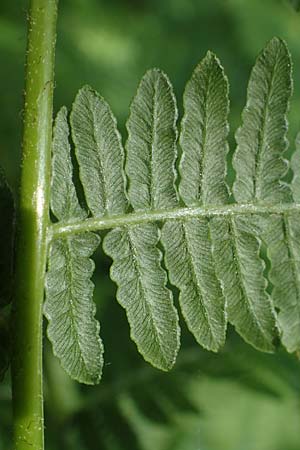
[
  {"x": 208, "y": 259},
  {"x": 261, "y": 140},
  {"x": 64, "y": 202},
  {"x": 188, "y": 258},
  {"x": 142, "y": 292},
  {"x": 282, "y": 235},
  {"x": 69, "y": 308},
  {"x": 240, "y": 270},
  {"x": 137, "y": 270},
  {"x": 151, "y": 144},
  {"x": 202, "y": 168},
  {"x": 203, "y": 136},
  {"x": 99, "y": 153}
]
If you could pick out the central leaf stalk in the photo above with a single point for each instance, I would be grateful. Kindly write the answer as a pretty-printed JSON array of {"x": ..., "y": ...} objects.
[{"x": 32, "y": 224}]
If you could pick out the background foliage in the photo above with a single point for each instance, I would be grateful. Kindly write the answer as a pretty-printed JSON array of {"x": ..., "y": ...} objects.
[{"x": 239, "y": 399}]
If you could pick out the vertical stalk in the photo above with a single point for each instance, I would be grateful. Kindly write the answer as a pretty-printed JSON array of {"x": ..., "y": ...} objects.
[{"x": 33, "y": 219}]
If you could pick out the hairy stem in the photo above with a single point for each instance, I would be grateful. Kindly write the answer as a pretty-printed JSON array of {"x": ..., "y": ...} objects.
[
  {"x": 33, "y": 219},
  {"x": 60, "y": 229}
]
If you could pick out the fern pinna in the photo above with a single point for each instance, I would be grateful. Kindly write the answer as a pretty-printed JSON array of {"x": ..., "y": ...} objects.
[{"x": 178, "y": 225}]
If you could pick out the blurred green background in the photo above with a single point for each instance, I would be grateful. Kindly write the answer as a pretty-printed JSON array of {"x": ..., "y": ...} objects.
[{"x": 239, "y": 399}]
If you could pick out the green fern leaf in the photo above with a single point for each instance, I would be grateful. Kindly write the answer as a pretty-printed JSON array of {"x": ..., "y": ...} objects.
[
  {"x": 99, "y": 153},
  {"x": 282, "y": 236},
  {"x": 240, "y": 269},
  {"x": 189, "y": 261},
  {"x": 203, "y": 135},
  {"x": 188, "y": 242},
  {"x": 259, "y": 165},
  {"x": 235, "y": 250},
  {"x": 261, "y": 140},
  {"x": 64, "y": 201},
  {"x": 100, "y": 157},
  {"x": 141, "y": 291},
  {"x": 260, "y": 168},
  {"x": 7, "y": 214},
  {"x": 137, "y": 261},
  {"x": 212, "y": 247},
  {"x": 69, "y": 307},
  {"x": 151, "y": 144}
]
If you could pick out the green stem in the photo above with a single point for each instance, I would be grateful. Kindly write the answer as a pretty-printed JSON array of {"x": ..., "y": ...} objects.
[
  {"x": 33, "y": 220},
  {"x": 60, "y": 229}
]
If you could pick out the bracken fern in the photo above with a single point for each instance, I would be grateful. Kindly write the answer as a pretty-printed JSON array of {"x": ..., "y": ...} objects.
[{"x": 177, "y": 225}]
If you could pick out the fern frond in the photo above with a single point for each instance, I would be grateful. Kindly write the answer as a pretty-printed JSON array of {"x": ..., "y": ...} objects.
[
  {"x": 188, "y": 241},
  {"x": 137, "y": 266},
  {"x": 69, "y": 307},
  {"x": 282, "y": 236},
  {"x": 99, "y": 153},
  {"x": 239, "y": 267},
  {"x": 259, "y": 171},
  {"x": 260, "y": 168},
  {"x": 151, "y": 144},
  {"x": 188, "y": 258},
  {"x": 212, "y": 247},
  {"x": 203, "y": 136},
  {"x": 64, "y": 202},
  {"x": 258, "y": 160},
  {"x": 142, "y": 292}
]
